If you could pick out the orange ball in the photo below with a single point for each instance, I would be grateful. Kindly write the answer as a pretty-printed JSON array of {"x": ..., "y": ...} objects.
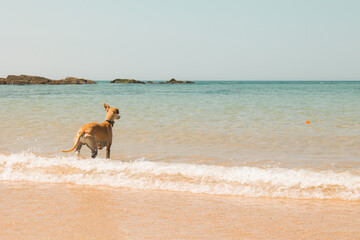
[{"x": 307, "y": 122}]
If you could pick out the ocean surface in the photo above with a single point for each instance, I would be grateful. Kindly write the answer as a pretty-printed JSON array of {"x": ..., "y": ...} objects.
[{"x": 246, "y": 139}]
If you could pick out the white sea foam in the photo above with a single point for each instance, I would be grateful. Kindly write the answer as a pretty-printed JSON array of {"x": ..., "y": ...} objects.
[{"x": 195, "y": 178}]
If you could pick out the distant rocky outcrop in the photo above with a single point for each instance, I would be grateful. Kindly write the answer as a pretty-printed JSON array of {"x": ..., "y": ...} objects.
[
  {"x": 171, "y": 81},
  {"x": 36, "y": 80},
  {"x": 73, "y": 80},
  {"x": 174, "y": 81},
  {"x": 121, "y": 80}
]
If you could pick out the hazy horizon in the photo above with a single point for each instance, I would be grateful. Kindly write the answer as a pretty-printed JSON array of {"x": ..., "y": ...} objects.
[
  {"x": 201, "y": 80},
  {"x": 186, "y": 40}
]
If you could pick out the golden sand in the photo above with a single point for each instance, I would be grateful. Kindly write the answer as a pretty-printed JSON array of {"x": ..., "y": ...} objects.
[{"x": 63, "y": 211}]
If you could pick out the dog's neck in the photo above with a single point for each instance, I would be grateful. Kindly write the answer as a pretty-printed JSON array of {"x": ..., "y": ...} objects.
[{"x": 111, "y": 122}]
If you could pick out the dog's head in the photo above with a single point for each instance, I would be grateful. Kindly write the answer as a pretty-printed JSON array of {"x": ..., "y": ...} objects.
[{"x": 112, "y": 113}]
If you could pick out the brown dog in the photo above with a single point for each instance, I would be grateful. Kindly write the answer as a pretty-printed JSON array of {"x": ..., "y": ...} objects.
[{"x": 97, "y": 135}]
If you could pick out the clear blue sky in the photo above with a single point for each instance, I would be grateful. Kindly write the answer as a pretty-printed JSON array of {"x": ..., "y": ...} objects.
[{"x": 187, "y": 40}]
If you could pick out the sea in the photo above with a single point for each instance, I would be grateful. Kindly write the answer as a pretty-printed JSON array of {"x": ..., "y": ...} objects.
[{"x": 251, "y": 140}]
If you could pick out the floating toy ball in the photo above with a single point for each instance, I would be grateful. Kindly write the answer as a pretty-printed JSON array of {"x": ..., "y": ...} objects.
[{"x": 307, "y": 122}]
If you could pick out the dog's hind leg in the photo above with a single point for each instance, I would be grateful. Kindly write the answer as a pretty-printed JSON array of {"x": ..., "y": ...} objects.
[
  {"x": 78, "y": 148},
  {"x": 91, "y": 143},
  {"x": 94, "y": 153}
]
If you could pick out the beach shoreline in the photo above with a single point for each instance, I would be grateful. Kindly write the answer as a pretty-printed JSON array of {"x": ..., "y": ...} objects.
[
  {"x": 186, "y": 145},
  {"x": 61, "y": 211}
]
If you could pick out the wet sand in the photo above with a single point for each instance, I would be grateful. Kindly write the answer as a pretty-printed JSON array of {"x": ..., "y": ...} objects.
[{"x": 65, "y": 211}]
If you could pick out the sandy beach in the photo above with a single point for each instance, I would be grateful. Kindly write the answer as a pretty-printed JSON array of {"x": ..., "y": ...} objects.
[{"x": 65, "y": 211}]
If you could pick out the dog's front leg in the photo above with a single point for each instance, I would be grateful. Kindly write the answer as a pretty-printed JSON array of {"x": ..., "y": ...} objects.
[{"x": 108, "y": 152}]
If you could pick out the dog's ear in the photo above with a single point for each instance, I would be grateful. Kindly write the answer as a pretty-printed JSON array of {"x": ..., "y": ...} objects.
[{"x": 106, "y": 107}]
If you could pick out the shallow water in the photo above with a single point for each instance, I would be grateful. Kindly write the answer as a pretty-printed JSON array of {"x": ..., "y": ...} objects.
[{"x": 239, "y": 138}]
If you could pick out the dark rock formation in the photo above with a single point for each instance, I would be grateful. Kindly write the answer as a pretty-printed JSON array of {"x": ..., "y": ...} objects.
[
  {"x": 171, "y": 81},
  {"x": 119, "y": 80},
  {"x": 72, "y": 80},
  {"x": 26, "y": 79},
  {"x": 174, "y": 81}
]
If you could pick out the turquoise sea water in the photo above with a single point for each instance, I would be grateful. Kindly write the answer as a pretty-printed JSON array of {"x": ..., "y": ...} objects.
[{"x": 249, "y": 136}]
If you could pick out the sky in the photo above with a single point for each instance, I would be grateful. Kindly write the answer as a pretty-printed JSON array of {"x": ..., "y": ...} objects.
[{"x": 185, "y": 39}]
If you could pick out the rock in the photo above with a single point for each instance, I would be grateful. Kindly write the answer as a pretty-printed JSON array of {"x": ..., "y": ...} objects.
[
  {"x": 120, "y": 80},
  {"x": 150, "y": 82},
  {"x": 72, "y": 80},
  {"x": 174, "y": 81},
  {"x": 26, "y": 79}
]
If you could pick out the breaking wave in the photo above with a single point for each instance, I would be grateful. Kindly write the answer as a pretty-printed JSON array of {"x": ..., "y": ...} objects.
[{"x": 210, "y": 179}]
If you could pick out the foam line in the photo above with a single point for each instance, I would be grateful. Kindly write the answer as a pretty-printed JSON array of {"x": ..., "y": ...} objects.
[{"x": 141, "y": 174}]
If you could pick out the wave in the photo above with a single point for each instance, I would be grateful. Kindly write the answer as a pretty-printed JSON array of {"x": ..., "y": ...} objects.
[{"x": 210, "y": 179}]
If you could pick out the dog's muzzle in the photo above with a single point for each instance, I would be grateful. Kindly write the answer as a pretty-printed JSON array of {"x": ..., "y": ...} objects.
[{"x": 119, "y": 117}]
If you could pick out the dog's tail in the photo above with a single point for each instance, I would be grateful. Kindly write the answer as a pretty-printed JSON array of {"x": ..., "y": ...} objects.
[{"x": 76, "y": 142}]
